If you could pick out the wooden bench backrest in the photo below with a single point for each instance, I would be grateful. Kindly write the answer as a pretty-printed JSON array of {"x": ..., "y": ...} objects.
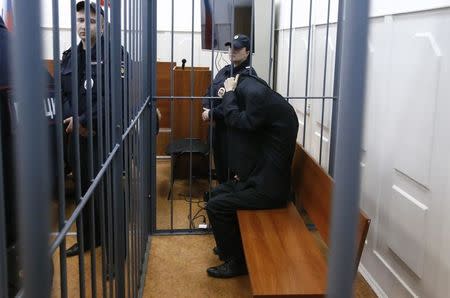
[{"x": 313, "y": 192}]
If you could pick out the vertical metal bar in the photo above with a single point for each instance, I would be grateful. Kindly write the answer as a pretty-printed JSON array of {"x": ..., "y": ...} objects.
[
  {"x": 59, "y": 147},
  {"x": 324, "y": 82},
  {"x": 131, "y": 147},
  {"x": 148, "y": 116},
  {"x": 3, "y": 244},
  {"x": 110, "y": 249},
  {"x": 307, "y": 72},
  {"x": 252, "y": 32},
  {"x": 271, "y": 44},
  {"x": 132, "y": 212},
  {"x": 103, "y": 231},
  {"x": 126, "y": 9},
  {"x": 88, "y": 73},
  {"x": 137, "y": 146},
  {"x": 34, "y": 191},
  {"x": 141, "y": 137},
  {"x": 99, "y": 59},
  {"x": 347, "y": 180},
  {"x": 116, "y": 92},
  {"x": 191, "y": 117},
  {"x": 107, "y": 63},
  {"x": 136, "y": 204},
  {"x": 136, "y": 157},
  {"x": 290, "y": 53},
  {"x": 76, "y": 144},
  {"x": 336, "y": 82},
  {"x": 152, "y": 37},
  {"x": 210, "y": 100},
  {"x": 145, "y": 116},
  {"x": 140, "y": 134},
  {"x": 127, "y": 210},
  {"x": 142, "y": 140},
  {"x": 231, "y": 38},
  {"x": 172, "y": 110}
]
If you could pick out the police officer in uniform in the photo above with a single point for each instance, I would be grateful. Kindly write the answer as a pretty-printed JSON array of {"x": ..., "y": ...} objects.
[
  {"x": 66, "y": 86},
  {"x": 239, "y": 54},
  {"x": 6, "y": 117},
  {"x": 263, "y": 129},
  {"x": 7, "y": 123}
]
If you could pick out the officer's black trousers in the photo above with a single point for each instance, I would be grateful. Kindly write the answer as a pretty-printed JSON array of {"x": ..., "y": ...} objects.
[
  {"x": 9, "y": 174},
  {"x": 220, "y": 145},
  {"x": 85, "y": 183},
  {"x": 225, "y": 200}
]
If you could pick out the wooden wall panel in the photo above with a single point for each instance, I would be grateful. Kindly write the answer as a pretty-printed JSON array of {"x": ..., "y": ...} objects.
[
  {"x": 163, "y": 89},
  {"x": 162, "y": 140},
  {"x": 50, "y": 67},
  {"x": 182, "y": 107}
]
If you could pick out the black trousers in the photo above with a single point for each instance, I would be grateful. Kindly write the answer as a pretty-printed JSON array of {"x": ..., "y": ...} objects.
[
  {"x": 220, "y": 145},
  {"x": 9, "y": 170},
  {"x": 222, "y": 208},
  {"x": 98, "y": 203},
  {"x": 85, "y": 183}
]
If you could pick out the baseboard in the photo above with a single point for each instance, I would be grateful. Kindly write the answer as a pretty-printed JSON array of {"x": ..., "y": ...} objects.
[{"x": 372, "y": 282}]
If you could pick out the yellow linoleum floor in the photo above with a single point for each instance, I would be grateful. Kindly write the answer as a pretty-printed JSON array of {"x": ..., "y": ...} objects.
[{"x": 177, "y": 264}]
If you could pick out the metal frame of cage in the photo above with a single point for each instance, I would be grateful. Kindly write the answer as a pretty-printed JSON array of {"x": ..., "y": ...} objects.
[{"x": 127, "y": 170}]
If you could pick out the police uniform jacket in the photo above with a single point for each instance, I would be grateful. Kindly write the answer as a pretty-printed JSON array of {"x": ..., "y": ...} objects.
[
  {"x": 4, "y": 61},
  {"x": 213, "y": 90},
  {"x": 66, "y": 83},
  {"x": 263, "y": 130}
]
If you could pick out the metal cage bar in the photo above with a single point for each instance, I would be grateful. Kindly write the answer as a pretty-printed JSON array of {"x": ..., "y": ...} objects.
[
  {"x": 33, "y": 174},
  {"x": 345, "y": 209}
]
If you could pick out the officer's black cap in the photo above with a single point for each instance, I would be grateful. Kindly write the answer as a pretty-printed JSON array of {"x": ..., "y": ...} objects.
[
  {"x": 240, "y": 41},
  {"x": 92, "y": 5}
]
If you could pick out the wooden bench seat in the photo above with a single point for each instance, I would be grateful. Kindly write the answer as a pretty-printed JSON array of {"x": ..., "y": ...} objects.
[{"x": 283, "y": 257}]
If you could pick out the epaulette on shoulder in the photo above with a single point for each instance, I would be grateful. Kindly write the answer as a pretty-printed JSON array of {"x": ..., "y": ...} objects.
[{"x": 67, "y": 52}]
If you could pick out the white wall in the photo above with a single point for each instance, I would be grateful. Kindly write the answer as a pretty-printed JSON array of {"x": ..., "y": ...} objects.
[
  {"x": 64, "y": 24},
  {"x": 183, "y": 35},
  {"x": 183, "y": 32},
  {"x": 405, "y": 152}
]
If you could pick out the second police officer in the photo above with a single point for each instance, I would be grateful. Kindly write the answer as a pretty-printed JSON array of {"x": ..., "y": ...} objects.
[{"x": 239, "y": 53}]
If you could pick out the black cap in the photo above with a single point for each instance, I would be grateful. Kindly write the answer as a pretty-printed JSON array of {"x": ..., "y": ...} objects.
[
  {"x": 240, "y": 41},
  {"x": 92, "y": 5}
]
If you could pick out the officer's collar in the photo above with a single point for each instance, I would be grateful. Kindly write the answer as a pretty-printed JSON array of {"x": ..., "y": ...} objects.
[
  {"x": 2, "y": 24},
  {"x": 93, "y": 49},
  {"x": 240, "y": 66}
]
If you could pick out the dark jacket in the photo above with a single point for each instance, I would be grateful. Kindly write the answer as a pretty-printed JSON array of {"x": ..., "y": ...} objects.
[
  {"x": 4, "y": 79},
  {"x": 263, "y": 130},
  {"x": 66, "y": 83},
  {"x": 4, "y": 61},
  {"x": 226, "y": 72}
]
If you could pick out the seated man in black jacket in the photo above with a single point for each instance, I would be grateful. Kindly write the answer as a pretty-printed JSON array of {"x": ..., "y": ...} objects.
[{"x": 263, "y": 130}]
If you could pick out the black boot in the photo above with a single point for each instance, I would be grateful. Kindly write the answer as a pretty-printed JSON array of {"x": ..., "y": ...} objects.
[
  {"x": 230, "y": 268},
  {"x": 217, "y": 252},
  {"x": 74, "y": 250}
]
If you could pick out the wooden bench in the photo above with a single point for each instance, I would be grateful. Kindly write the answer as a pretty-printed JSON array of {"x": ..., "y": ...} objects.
[{"x": 283, "y": 257}]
